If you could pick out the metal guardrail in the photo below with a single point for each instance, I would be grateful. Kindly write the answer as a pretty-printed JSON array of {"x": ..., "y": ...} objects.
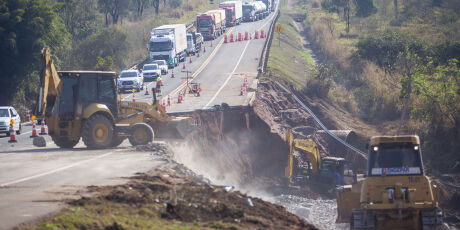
[
  {"x": 264, "y": 56},
  {"x": 323, "y": 127}
]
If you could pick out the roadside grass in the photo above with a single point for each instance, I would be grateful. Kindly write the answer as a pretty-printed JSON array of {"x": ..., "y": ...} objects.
[
  {"x": 138, "y": 31},
  {"x": 103, "y": 214},
  {"x": 288, "y": 61}
]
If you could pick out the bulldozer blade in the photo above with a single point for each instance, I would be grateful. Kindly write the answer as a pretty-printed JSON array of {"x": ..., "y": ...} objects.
[{"x": 177, "y": 128}]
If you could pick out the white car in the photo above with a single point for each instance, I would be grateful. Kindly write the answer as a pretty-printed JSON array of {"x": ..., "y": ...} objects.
[
  {"x": 162, "y": 65},
  {"x": 130, "y": 79},
  {"x": 8, "y": 113},
  {"x": 150, "y": 72}
]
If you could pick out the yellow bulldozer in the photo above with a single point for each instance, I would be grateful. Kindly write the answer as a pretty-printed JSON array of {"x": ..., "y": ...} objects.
[
  {"x": 396, "y": 193},
  {"x": 85, "y": 104},
  {"x": 323, "y": 172}
]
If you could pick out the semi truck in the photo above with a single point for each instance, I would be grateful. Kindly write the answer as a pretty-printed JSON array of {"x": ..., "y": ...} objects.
[
  {"x": 223, "y": 17},
  {"x": 249, "y": 12},
  {"x": 260, "y": 10},
  {"x": 169, "y": 43},
  {"x": 210, "y": 24},
  {"x": 233, "y": 12},
  {"x": 268, "y": 5},
  {"x": 194, "y": 42}
]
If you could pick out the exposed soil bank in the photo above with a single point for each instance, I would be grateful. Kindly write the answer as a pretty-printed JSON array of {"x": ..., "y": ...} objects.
[
  {"x": 245, "y": 147},
  {"x": 170, "y": 197}
]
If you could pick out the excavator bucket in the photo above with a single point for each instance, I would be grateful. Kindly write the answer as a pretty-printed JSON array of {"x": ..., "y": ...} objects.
[{"x": 176, "y": 128}]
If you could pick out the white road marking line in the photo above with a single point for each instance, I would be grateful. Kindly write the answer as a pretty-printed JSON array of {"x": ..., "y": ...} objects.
[
  {"x": 54, "y": 170},
  {"x": 234, "y": 69},
  {"x": 199, "y": 70},
  {"x": 229, "y": 76}
]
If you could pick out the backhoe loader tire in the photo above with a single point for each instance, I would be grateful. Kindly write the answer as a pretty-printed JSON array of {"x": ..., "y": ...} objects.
[
  {"x": 141, "y": 134},
  {"x": 97, "y": 132},
  {"x": 63, "y": 142},
  {"x": 116, "y": 141}
]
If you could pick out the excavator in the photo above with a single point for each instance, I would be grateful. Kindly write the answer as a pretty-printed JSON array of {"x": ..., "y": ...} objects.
[
  {"x": 325, "y": 172},
  {"x": 396, "y": 193},
  {"x": 85, "y": 104}
]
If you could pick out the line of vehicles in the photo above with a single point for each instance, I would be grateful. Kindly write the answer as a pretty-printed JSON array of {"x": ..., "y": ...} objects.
[
  {"x": 170, "y": 44},
  {"x": 173, "y": 43}
]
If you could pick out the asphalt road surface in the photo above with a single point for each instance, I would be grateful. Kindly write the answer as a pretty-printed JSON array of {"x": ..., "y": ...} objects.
[{"x": 34, "y": 180}]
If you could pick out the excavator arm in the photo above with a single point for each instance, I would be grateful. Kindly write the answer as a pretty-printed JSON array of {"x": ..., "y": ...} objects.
[
  {"x": 306, "y": 145},
  {"x": 50, "y": 86}
]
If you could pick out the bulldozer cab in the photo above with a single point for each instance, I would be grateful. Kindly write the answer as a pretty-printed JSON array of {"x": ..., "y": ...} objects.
[
  {"x": 83, "y": 88},
  {"x": 400, "y": 156}
]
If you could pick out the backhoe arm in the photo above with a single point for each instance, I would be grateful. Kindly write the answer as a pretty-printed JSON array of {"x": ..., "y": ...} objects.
[{"x": 50, "y": 86}]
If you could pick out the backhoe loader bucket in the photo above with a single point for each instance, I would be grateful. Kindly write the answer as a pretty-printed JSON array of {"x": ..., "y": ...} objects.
[{"x": 177, "y": 128}]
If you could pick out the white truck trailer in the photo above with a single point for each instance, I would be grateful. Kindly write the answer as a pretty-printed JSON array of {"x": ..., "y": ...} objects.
[
  {"x": 169, "y": 43},
  {"x": 233, "y": 11}
]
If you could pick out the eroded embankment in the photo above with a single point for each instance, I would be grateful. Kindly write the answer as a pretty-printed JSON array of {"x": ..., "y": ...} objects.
[{"x": 245, "y": 146}]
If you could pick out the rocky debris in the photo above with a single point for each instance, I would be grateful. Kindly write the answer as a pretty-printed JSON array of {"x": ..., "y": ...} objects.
[
  {"x": 180, "y": 194},
  {"x": 39, "y": 141},
  {"x": 449, "y": 186}
]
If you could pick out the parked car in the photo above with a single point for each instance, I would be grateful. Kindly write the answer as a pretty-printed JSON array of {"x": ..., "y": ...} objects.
[
  {"x": 130, "y": 79},
  {"x": 163, "y": 66},
  {"x": 8, "y": 113},
  {"x": 151, "y": 72}
]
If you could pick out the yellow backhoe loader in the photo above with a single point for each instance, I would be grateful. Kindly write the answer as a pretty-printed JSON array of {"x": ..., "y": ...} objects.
[
  {"x": 395, "y": 194},
  {"x": 324, "y": 172},
  {"x": 84, "y": 104}
]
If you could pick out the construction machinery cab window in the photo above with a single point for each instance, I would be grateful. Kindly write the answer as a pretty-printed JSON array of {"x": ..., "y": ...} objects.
[
  {"x": 68, "y": 97},
  {"x": 83, "y": 89},
  {"x": 395, "y": 159}
]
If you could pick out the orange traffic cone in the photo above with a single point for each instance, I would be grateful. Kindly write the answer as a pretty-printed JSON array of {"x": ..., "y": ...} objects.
[
  {"x": 246, "y": 37},
  {"x": 241, "y": 91},
  {"x": 262, "y": 33},
  {"x": 231, "y": 37},
  {"x": 179, "y": 98},
  {"x": 43, "y": 129},
  {"x": 190, "y": 59},
  {"x": 225, "y": 38},
  {"x": 239, "y": 36},
  {"x": 169, "y": 101},
  {"x": 172, "y": 74},
  {"x": 12, "y": 135},
  {"x": 183, "y": 66},
  {"x": 256, "y": 36},
  {"x": 146, "y": 91},
  {"x": 34, "y": 131}
]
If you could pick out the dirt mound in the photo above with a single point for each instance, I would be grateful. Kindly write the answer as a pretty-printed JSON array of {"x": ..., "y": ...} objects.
[{"x": 178, "y": 194}]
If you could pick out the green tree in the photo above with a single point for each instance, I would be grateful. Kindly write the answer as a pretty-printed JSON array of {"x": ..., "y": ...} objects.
[
  {"x": 79, "y": 16},
  {"x": 365, "y": 8},
  {"x": 26, "y": 27},
  {"x": 110, "y": 42}
]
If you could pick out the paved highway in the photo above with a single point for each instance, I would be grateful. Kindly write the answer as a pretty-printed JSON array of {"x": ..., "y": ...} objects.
[{"x": 33, "y": 180}]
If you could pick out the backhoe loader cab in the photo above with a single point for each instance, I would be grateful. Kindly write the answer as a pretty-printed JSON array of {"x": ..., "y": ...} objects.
[
  {"x": 86, "y": 107},
  {"x": 396, "y": 194}
]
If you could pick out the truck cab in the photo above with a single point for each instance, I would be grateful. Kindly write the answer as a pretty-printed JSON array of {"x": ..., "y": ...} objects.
[{"x": 248, "y": 12}]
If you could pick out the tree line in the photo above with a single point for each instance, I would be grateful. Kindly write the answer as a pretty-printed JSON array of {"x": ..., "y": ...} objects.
[{"x": 80, "y": 34}]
